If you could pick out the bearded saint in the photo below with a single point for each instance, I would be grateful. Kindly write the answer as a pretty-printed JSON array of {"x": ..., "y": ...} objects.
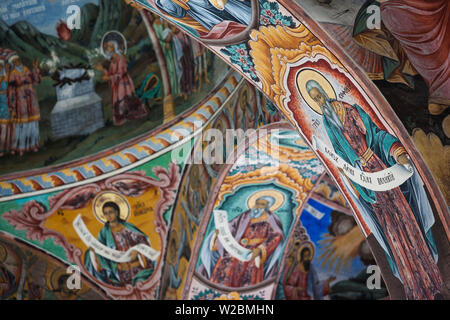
[
  {"x": 258, "y": 230},
  {"x": 24, "y": 105}
]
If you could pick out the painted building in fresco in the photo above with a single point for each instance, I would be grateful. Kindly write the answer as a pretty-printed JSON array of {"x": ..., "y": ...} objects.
[{"x": 224, "y": 150}]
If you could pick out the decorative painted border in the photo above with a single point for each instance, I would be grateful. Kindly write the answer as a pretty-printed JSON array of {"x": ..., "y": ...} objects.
[{"x": 140, "y": 151}]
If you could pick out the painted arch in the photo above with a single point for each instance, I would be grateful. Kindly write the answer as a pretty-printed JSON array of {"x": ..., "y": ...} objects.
[{"x": 281, "y": 52}]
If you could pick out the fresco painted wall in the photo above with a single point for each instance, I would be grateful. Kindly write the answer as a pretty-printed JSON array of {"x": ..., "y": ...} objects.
[
  {"x": 125, "y": 156},
  {"x": 94, "y": 87},
  {"x": 93, "y": 223},
  {"x": 30, "y": 274},
  {"x": 65, "y": 221},
  {"x": 297, "y": 65},
  {"x": 330, "y": 102},
  {"x": 261, "y": 195},
  {"x": 67, "y": 224},
  {"x": 197, "y": 181},
  {"x": 328, "y": 257}
]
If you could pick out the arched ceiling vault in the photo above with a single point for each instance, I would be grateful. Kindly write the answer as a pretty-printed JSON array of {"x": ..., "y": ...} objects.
[{"x": 351, "y": 141}]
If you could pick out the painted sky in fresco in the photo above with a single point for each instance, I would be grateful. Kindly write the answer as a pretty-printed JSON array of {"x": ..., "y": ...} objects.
[
  {"x": 316, "y": 228},
  {"x": 43, "y": 14}
]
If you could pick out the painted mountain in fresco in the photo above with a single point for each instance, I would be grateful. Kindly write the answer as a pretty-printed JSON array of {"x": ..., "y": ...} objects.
[{"x": 30, "y": 43}]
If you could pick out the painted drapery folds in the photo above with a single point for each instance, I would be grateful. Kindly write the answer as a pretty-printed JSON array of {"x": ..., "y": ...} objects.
[
  {"x": 261, "y": 201},
  {"x": 69, "y": 94},
  {"x": 317, "y": 83},
  {"x": 214, "y": 22}
]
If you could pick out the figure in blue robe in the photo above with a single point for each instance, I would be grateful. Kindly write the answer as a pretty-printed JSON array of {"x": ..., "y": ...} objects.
[{"x": 362, "y": 144}]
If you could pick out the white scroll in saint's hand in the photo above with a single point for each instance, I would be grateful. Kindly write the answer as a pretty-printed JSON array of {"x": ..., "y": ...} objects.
[
  {"x": 383, "y": 180},
  {"x": 114, "y": 255},
  {"x": 226, "y": 238}
]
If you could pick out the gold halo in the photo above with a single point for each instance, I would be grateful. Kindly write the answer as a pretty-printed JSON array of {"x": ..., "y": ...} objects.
[
  {"x": 308, "y": 74},
  {"x": 110, "y": 196},
  {"x": 303, "y": 246},
  {"x": 277, "y": 195}
]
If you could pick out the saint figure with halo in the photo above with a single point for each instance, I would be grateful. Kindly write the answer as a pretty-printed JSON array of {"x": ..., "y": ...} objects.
[{"x": 113, "y": 210}]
